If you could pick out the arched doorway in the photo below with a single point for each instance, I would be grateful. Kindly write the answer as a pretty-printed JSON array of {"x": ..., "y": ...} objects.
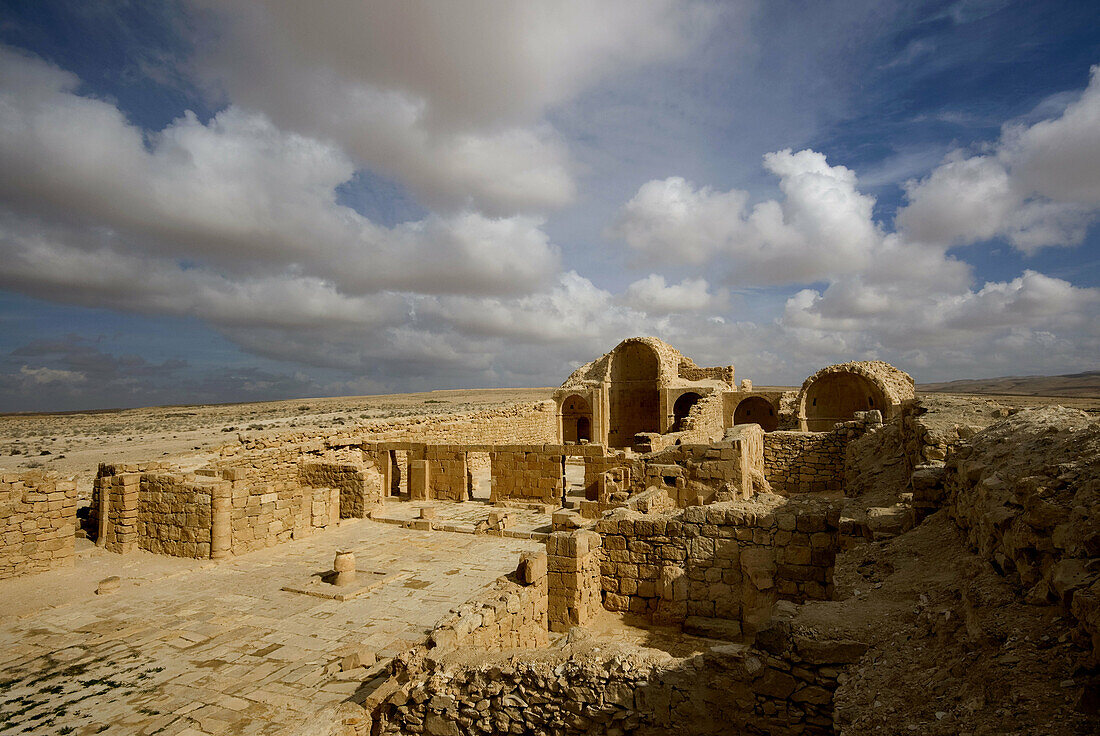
[
  {"x": 634, "y": 396},
  {"x": 836, "y": 397},
  {"x": 584, "y": 429},
  {"x": 756, "y": 410},
  {"x": 682, "y": 408},
  {"x": 576, "y": 419}
]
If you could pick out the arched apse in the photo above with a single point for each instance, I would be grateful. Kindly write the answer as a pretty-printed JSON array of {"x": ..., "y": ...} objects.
[
  {"x": 836, "y": 397},
  {"x": 634, "y": 396},
  {"x": 682, "y": 408},
  {"x": 757, "y": 410}
]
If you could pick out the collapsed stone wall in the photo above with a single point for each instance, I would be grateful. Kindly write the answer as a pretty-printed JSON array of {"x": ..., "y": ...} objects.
[
  {"x": 1027, "y": 493},
  {"x": 37, "y": 523},
  {"x": 705, "y": 422},
  {"x": 689, "y": 371},
  {"x": 510, "y": 614},
  {"x": 616, "y": 688},
  {"x": 876, "y": 461},
  {"x": 729, "y": 561},
  {"x": 690, "y": 474}
]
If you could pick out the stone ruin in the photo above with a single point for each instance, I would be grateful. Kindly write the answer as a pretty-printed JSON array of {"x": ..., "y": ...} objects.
[{"x": 698, "y": 506}]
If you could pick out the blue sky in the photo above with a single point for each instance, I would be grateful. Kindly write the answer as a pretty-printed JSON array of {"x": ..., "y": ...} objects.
[{"x": 227, "y": 201}]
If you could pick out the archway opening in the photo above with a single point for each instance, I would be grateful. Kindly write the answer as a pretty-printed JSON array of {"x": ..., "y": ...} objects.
[
  {"x": 836, "y": 397},
  {"x": 634, "y": 396},
  {"x": 682, "y": 408},
  {"x": 576, "y": 419},
  {"x": 756, "y": 410},
  {"x": 584, "y": 429}
]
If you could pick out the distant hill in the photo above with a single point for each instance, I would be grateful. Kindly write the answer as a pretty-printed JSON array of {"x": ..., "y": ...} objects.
[{"x": 1085, "y": 385}]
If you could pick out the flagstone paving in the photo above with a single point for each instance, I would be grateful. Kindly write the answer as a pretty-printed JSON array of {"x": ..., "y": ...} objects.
[
  {"x": 218, "y": 648},
  {"x": 464, "y": 516}
]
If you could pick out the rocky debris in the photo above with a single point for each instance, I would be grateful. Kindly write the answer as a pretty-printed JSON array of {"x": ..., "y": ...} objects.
[
  {"x": 1027, "y": 492},
  {"x": 876, "y": 461},
  {"x": 952, "y": 647},
  {"x": 890, "y": 521},
  {"x": 361, "y": 657},
  {"x": 591, "y": 685},
  {"x": 108, "y": 585}
]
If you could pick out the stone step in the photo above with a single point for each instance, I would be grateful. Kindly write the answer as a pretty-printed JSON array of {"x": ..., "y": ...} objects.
[{"x": 713, "y": 628}]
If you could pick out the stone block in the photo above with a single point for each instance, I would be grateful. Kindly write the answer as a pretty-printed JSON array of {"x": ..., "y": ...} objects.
[{"x": 532, "y": 567}]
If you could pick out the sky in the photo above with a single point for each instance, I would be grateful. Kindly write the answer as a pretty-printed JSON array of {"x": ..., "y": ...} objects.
[{"x": 218, "y": 200}]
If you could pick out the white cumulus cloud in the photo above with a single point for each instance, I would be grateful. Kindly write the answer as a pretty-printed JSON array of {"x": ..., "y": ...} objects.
[
  {"x": 448, "y": 98},
  {"x": 1038, "y": 187}
]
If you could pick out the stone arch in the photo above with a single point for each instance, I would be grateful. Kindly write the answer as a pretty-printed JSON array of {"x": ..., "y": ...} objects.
[
  {"x": 756, "y": 410},
  {"x": 836, "y": 397},
  {"x": 576, "y": 419},
  {"x": 682, "y": 408},
  {"x": 634, "y": 395}
]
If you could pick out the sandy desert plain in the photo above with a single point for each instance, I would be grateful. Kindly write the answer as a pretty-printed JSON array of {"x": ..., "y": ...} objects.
[{"x": 74, "y": 443}]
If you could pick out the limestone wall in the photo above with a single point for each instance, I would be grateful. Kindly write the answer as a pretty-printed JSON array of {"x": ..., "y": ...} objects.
[
  {"x": 266, "y": 514},
  {"x": 574, "y": 574},
  {"x": 521, "y": 424},
  {"x": 729, "y": 561},
  {"x": 211, "y": 512},
  {"x": 174, "y": 513},
  {"x": 359, "y": 484},
  {"x": 696, "y": 473},
  {"x": 509, "y": 615},
  {"x": 535, "y": 473},
  {"x": 802, "y": 462},
  {"x": 447, "y": 471},
  {"x": 705, "y": 422},
  {"x": 688, "y": 371},
  {"x": 37, "y": 523},
  {"x": 812, "y": 462}
]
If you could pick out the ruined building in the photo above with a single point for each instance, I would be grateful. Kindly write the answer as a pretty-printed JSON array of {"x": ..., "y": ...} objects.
[{"x": 684, "y": 531}]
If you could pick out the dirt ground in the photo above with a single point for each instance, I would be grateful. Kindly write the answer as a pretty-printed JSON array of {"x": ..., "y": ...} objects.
[{"x": 954, "y": 649}]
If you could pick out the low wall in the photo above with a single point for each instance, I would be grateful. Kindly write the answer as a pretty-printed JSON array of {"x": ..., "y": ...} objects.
[
  {"x": 536, "y": 472},
  {"x": 811, "y": 462},
  {"x": 728, "y": 561},
  {"x": 510, "y": 615},
  {"x": 521, "y": 424},
  {"x": 212, "y": 513},
  {"x": 175, "y": 513},
  {"x": 359, "y": 484},
  {"x": 37, "y": 523},
  {"x": 266, "y": 514}
]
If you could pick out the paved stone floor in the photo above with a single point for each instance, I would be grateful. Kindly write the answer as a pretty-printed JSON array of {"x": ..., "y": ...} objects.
[
  {"x": 218, "y": 648},
  {"x": 464, "y": 516}
]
